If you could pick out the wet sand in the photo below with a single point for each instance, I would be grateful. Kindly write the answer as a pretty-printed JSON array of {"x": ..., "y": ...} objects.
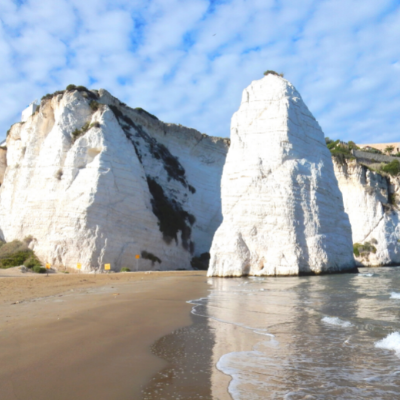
[{"x": 89, "y": 337}]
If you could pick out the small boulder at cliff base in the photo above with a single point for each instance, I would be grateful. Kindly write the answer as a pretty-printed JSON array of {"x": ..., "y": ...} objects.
[{"x": 282, "y": 209}]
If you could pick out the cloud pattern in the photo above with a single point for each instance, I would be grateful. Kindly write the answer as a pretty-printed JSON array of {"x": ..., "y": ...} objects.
[{"x": 188, "y": 61}]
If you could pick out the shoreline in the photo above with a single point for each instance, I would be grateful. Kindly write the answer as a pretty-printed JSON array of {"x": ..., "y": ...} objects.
[{"x": 86, "y": 336}]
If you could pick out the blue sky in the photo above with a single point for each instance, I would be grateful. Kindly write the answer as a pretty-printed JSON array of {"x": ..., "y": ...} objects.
[{"x": 188, "y": 61}]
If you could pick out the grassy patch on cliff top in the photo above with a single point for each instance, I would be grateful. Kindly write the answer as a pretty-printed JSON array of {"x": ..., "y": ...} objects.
[
  {"x": 271, "y": 72},
  {"x": 140, "y": 110},
  {"x": 71, "y": 88},
  {"x": 341, "y": 151}
]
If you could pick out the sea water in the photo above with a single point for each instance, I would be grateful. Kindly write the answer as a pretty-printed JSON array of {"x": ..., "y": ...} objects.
[
  {"x": 316, "y": 337},
  {"x": 327, "y": 337}
]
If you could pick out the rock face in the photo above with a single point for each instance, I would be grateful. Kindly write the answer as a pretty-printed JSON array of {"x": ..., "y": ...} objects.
[
  {"x": 94, "y": 181},
  {"x": 3, "y": 163},
  {"x": 371, "y": 201},
  {"x": 282, "y": 209}
]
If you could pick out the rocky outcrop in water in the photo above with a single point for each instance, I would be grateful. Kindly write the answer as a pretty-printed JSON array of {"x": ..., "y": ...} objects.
[
  {"x": 93, "y": 181},
  {"x": 282, "y": 209},
  {"x": 371, "y": 200}
]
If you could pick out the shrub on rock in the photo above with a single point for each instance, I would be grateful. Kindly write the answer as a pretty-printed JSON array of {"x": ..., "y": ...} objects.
[
  {"x": 393, "y": 168},
  {"x": 14, "y": 253},
  {"x": 32, "y": 262},
  {"x": 94, "y": 105},
  {"x": 363, "y": 249},
  {"x": 272, "y": 73}
]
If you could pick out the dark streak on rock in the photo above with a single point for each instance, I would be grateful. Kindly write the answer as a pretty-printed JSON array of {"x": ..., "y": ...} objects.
[{"x": 171, "y": 163}]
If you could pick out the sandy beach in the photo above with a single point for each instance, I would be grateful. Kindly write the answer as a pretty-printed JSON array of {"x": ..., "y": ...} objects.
[{"x": 82, "y": 336}]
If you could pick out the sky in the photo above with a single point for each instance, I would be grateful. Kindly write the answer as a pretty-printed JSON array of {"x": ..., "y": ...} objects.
[{"x": 188, "y": 61}]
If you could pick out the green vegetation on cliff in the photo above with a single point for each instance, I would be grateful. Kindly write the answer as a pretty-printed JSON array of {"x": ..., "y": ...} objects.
[
  {"x": 17, "y": 253},
  {"x": 393, "y": 168},
  {"x": 341, "y": 150},
  {"x": 363, "y": 249}
]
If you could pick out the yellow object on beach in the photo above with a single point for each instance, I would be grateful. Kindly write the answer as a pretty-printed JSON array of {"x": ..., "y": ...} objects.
[
  {"x": 47, "y": 266},
  {"x": 78, "y": 266},
  {"x": 107, "y": 266}
]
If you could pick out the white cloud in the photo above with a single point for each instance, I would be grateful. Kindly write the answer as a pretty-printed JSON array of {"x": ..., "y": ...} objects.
[{"x": 188, "y": 61}]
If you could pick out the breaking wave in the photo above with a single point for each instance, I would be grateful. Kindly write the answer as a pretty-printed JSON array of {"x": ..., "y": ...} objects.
[
  {"x": 337, "y": 321},
  {"x": 390, "y": 342}
]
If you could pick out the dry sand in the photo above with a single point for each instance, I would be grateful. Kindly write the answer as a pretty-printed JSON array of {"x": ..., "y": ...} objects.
[{"x": 88, "y": 337}]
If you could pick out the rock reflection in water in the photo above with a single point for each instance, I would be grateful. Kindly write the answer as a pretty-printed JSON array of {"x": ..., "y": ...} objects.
[
  {"x": 287, "y": 338},
  {"x": 320, "y": 348}
]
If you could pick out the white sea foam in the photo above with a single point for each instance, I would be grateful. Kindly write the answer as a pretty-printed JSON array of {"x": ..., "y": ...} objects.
[
  {"x": 395, "y": 295},
  {"x": 298, "y": 395},
  {"x": 337, "y": 321},
  {"x": 367, "y": 275},
  {"x": 239, "y": 365},
  {"x": 390, "y": 342}
]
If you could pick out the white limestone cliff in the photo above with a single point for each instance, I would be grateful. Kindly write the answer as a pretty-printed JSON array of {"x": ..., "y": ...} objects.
[
  {"x": 372, "y": 203},
  {"x": 282, "y": 209},
  {"x": 128, "y": 184},
  {"x": 3, "y": 163}
]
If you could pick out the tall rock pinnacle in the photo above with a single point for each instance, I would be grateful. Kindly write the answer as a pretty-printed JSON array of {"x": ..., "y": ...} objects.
[{"x": 282, "y": 209}]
